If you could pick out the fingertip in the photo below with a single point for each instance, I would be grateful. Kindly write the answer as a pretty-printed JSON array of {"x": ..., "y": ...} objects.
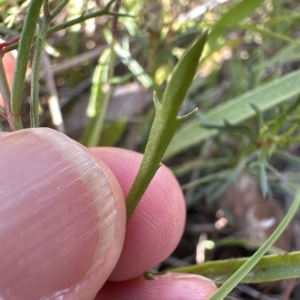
[
  {"x": 165, "y": 287},
  {"x": 157, "y": 225},
  {"x": 62, "y": 228}
]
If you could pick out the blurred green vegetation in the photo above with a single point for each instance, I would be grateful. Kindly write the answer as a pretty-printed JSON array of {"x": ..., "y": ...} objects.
[{"x": 246, "y": 89}]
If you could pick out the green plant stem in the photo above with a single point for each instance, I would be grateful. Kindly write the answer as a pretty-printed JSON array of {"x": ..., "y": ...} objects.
[
  {"x": 15, "y": 123},
  {"x": 166, "y": 121},
  {"x": 105, "y": 94},
  {"x": 99, "y": 91},
  {"x": 59, "y": 8},
  {"x": 238, "y": 276},
  {"x": 23, "y": 57},
  {"x": 36, "y": 66},
  {"x": 99, "y": 13},
  {"x": 54, "y": 29}
]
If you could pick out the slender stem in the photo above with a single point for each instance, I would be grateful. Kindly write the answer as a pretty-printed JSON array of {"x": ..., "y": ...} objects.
[
  {"x": 93, "y": 139},
  {"x": 15, "y": 123},
  {"x": 269, "y": 268},
  {"x": 104, "y": 11},
  {"x": 23, "y": 56},
  {"x": 166, "y": 121},
  {"x": 59, "y": 8},
  {"x": 36, "y": 66},
  {"x": 101, "y": 91},
  {"x": 99, "y": 13}
]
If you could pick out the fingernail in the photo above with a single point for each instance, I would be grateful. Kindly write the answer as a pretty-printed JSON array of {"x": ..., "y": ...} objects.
[{"x": 55, "y": 208}]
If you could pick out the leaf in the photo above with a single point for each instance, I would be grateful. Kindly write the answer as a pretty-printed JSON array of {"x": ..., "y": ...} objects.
[
  {"x": 166, "y": 120},
  {"x": 96, "y": 107},
  {"x": 236, "y": 111},
  {"x": 270, "y": 268},
  {"x": 289, "y": 157},
  {"x": 255, "y": 269},
  {"x": 132, "y": 64},
  {"x": 248, "y": 244}
]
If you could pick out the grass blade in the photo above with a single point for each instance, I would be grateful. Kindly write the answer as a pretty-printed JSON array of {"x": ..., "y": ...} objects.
[
  {"x": 245, "y": 269},
  {"x": 269, "y": 268}
]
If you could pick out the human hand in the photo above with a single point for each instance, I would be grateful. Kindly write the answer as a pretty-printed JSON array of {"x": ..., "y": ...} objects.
[{"x": 59, "y": 240}]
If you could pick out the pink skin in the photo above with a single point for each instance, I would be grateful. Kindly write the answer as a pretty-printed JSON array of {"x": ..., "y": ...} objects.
[
  {"x": 9, "y": 62},
  {"x": 151, "y": 234},
  {"x": 62, "y": 217},
  {"x": 166, "y": 287},
  {"x": 157, "y": 225}
]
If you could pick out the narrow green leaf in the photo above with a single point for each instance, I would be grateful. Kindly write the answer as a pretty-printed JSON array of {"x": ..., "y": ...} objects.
[
  {"x": 98, "y": 101},
  {"x": 270, "y": 268},
  {"x": 246, "y": 269},
  {"x": 23, "y": 55},
  {"x": 236, "y": 110},
  {"x": 263, "y": 179},
  {"x": 36, "y": 66},
  {"x": 188, "y": 166},
  {"x": 166, "y": 120},
  {"x": 211, "y": 177},
  {"x": 248, "y": 244},
  {"x": 289, "y": 157},
  {"x": 127, "y": 59}
]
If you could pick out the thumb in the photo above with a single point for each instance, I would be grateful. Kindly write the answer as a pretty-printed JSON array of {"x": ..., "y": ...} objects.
[{"x": 62, "y": 217}]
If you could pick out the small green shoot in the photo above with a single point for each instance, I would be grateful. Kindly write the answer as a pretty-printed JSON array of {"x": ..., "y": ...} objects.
[{"x": 166, "y": 121}]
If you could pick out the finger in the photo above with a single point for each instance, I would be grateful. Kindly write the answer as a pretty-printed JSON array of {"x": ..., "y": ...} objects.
[
  {"x": 156, "y": 227},
  {"x": 9, "y": 63},
  {"x": 3, "y": 133},
  {"x": 62, "y": 218},
  {"x": 165, "y": 287}
]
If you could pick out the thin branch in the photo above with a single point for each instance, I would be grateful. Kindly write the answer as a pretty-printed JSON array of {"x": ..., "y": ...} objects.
[
  {"x": 22, "y": 59},
  {"x": 99, "y": 13},
  {"x": 104, "y": 97},
  {"x": 53, "y": 102},
  {"x": 59, "y": 8},
  {"x": 35, "y": 76}
]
